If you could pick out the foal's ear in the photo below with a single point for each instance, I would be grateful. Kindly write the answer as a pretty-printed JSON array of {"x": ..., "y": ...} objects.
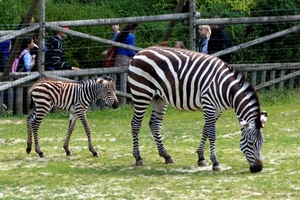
[
  {"x": 263, "y": 118},
  {"x": 108, "y": 78},
  {"x": 100, "y": 80}
]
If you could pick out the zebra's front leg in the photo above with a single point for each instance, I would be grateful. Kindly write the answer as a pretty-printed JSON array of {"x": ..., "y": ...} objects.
[
  {"x": 213, "y": 156},
  {"x": 211, "y": 132},
  {"x": 87, "y": 128},
  {"x": 71, "y": 126},
  {"x": 155, "y": 126},
  {"x": 200, "y": 150}
]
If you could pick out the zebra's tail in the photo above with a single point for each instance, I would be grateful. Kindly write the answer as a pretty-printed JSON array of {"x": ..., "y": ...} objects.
[{"x": 31, "y": 104}]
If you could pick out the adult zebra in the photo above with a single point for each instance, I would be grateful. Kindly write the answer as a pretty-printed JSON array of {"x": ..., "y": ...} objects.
[
  {"x": 193, "y": 81},
  {"x": 74, "y": 97}
]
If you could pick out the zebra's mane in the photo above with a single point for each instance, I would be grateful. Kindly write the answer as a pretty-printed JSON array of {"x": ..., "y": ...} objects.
[
  {"x": 42, "y": 80},
  {"x": 248, "y": 89}
]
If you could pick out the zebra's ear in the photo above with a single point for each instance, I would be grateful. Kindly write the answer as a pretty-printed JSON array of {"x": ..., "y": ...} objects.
[
  {"x": 263, "y": 118},
  {"x": 244, "y": 124}
]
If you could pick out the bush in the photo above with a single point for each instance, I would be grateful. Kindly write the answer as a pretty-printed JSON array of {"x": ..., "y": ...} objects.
[{"x": 87, "y": 54}]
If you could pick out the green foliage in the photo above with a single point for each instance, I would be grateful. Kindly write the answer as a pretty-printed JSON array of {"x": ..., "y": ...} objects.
[{"x": 87, "y": 54}]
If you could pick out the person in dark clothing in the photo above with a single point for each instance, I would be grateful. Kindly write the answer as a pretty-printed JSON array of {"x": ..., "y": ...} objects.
[
  {"x": 5, "y": 48},
  {"x": 20, "y": 26},
  {"x": 55, "y": 57},
  {"x": 219, "y": 40}
]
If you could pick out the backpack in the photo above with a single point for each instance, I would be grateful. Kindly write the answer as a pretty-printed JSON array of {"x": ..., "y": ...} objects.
[{"x": 16, "y": 61}]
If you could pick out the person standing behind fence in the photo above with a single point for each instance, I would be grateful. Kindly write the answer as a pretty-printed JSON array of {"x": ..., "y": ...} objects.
[
  {"x": 26, "y": 60},
  {"x": 204, "y": 32},
  {"x": 25, "y": 64},
  {"x": 5, "y": 48},
  {"x": 19, "y": 27},
  {"x": 55, "y": 57},
  {"x": 124, "y": 56},
  {"x": 179, "y": 44},
  {"x": 219, "y": 40},
  {"x": 115, "y": 28}
]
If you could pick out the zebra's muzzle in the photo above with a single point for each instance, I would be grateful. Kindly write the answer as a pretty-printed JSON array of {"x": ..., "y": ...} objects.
[
  {"x": 257, "y": 167},
  {"x": 115, "y": 105}
]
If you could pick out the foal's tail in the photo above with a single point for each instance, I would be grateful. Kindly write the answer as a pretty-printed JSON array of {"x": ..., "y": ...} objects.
[{"x": 31, "y": 104}]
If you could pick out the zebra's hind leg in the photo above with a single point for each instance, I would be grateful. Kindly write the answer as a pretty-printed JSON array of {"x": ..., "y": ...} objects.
[
  {"x": 35, "y": 128},
  {"x": 136, "y": 122},
  {"x": 71, "y": 126},
  {"x": 37, "y": 117},
  {"x": 135, "y": 127},
  {"x": 158, "y": 113},
  {"x": 82, "y": 116}
]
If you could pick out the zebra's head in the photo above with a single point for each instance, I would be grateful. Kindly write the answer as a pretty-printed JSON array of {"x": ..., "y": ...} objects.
[
  {"x": 108, "y": 91},
  {"x": 252, "y": 141}
]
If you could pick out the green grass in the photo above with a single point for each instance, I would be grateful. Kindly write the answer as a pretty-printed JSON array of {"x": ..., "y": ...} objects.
[{"x": 114, "y": 176}]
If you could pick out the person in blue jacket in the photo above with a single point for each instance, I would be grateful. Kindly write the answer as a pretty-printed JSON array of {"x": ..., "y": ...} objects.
[{"x": 124, "y": 56}]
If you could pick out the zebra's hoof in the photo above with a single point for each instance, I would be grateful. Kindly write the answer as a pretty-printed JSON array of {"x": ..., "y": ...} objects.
[
  {"x": 202, "y": 163},
  {"x": 169, "y": 161},
  {"x": 139, "y": 163},
  {"x": 95, "y": 154},
  {"x": 68, "y": 153},
  {"x": 216, "y": 169},
  {"x": 28, "y": 150}
]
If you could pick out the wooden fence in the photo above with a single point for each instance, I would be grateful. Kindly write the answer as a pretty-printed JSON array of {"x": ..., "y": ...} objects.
[{"x": 262, "y": 76}]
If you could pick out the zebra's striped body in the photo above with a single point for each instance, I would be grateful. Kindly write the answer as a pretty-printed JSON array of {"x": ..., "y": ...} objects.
[
  {"x": 193, "y": 81},
  {"x": 74, "y": 97}
]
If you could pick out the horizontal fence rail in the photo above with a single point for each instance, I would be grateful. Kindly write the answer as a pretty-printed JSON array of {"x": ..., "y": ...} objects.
[{"x": 262, "y": 76}]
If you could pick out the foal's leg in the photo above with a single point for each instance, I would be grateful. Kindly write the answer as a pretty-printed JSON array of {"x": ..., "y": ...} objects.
[
  {"x": 71, "y": 126},
  {"x": 87, "y": 128},
  {"x": 158, "y": 113},
  {"x": 40, "y": 114},
  {"x": 30, "y": 119}
]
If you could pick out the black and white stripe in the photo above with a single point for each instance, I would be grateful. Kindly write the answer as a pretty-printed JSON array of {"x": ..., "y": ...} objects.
[
  {"x": 74, "y": 97},
  {"x": 193, "y": 81}
]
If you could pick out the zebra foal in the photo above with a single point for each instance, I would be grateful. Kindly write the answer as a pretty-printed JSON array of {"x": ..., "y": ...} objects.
[
  {"x": 74, "y": 97},
  {"x": 191, "y": 81}
]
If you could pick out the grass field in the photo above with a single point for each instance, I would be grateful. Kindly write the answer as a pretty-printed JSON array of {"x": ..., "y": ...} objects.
[{"x": 114, "y": 176}]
